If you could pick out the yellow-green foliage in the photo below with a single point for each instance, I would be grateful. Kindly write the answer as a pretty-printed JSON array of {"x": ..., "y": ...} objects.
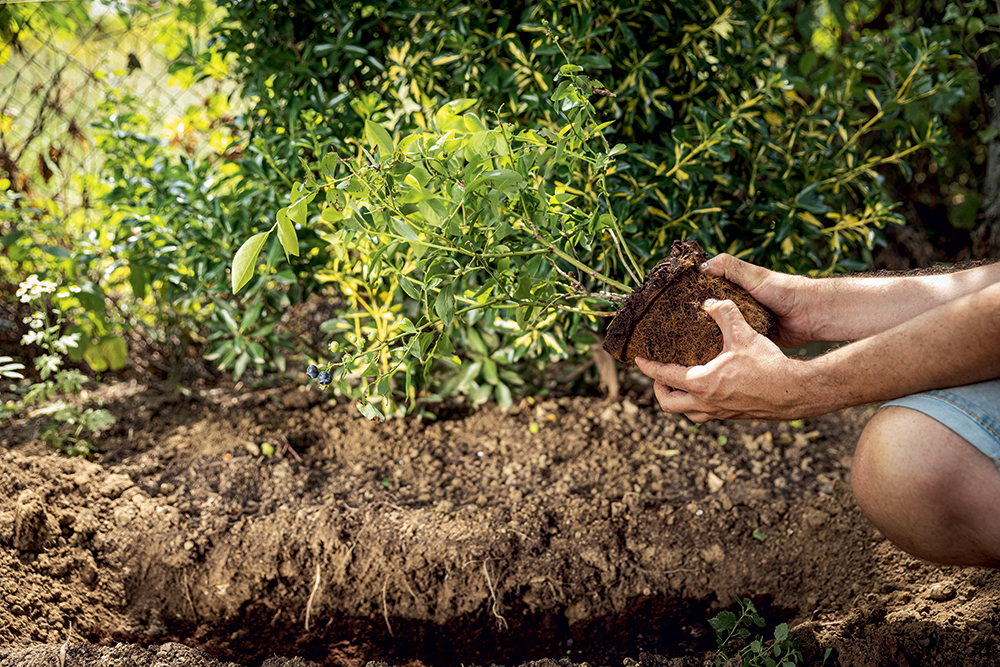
[{"x": 706, "y": 122}]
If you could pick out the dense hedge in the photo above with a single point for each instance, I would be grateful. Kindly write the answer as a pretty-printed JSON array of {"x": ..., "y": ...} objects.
[
  {"x": 679, "y": 71},
  {"x": 739, "y": 129}
]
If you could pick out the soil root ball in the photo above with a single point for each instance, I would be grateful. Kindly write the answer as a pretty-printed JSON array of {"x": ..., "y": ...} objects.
[{"x": 665, "y": 320}]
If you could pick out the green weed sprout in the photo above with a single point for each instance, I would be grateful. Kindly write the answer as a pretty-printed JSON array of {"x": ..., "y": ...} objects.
[{"x": 732, "y": 630}]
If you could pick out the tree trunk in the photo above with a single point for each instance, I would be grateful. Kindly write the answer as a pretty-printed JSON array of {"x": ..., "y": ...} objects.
[{"x": 988, "y": 234}]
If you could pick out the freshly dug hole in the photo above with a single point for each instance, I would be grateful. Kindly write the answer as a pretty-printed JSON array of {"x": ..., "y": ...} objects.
[
  {"x": 600, "y": 526},
  {"x": 665, "y": 319}
]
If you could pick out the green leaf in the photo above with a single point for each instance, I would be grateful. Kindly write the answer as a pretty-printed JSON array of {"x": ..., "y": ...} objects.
[
  {"x": 401, "y": 169},
  {"x": 95, "y": 359},
  {"x": 378, "y": 136},
  {"x": 473, "y": 123},
  {"x": 250, "y": 317},
  {"x": 138, "y": 278},
  {"x": 510, "y": 377},
  {"x": 725, "y": 620},
  {"x": 409, "y": 288},
  {"x": 228, "y": 320},
  {"x": 110, "y": 353},
  {"x": 781, "y": 632},
  {"x": 246, "y": 258},
  {"x": 444, "y": 305},
  {"x": 404, "y": 230},
  {"x": 476, "y": 342},
  {"x": 286, "y": 233},
  {"x": 481, "y": 394},
  {"x": 497, "y": 178},
  {"x": 482, "y": 142},
  {"x": 470, "y": 372},
  {"x": 241, "y": 364},
  {"x": 490, "y": 372},
  {"x": 91, "y": 297},
  {"x": 407, "y": 326},
  {"x": 807, "y": 62},
  {"x": 502, "y": 395},
  {"x": 115, "y": 351},
  {"x": 55, "y": 251},
  {"x": 370, "y": 411}
]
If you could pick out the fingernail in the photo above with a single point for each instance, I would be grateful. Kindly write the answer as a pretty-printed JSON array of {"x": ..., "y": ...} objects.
[
  {"x": 704, "y": 266},
  {"x": 710, "y": 302}
]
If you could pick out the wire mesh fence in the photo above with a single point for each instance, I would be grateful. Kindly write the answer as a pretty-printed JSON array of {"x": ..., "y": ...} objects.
[{"x": 61, "y": 66}]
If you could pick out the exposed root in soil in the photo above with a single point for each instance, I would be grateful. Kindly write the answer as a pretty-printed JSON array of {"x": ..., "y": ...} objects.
[
  {"x": 312, "y": 596},
  {"x": 494, "y": 602},
  {"x": 385, "y": 607}
]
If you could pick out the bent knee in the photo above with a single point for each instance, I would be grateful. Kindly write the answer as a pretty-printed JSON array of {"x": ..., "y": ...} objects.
[
  {"x": 896, "y": 462},
  {"x": 927, "y": 489}
]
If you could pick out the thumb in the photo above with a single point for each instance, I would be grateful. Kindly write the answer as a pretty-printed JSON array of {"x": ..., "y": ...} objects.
[
  {"x": 734, "y": 327},
  {"x": 744, "y": 274}
]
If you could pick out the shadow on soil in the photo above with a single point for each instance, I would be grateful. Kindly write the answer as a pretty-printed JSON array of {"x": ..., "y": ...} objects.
[{"x": 657, "y": 625}]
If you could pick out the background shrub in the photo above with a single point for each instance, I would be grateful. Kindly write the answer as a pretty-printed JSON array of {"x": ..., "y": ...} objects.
[
  {"x": 789, "y": 133},
  {"x": 737, "y": 134}
]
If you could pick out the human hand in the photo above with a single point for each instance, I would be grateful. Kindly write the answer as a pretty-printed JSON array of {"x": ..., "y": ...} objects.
[
  {"x": 788, "y": 296},
  {"x": 751, "y": 377}
]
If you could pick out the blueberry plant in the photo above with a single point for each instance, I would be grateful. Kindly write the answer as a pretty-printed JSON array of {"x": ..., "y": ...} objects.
[
  {"x": 457, "y": 223},
  {"x": 479, "y": 239}
]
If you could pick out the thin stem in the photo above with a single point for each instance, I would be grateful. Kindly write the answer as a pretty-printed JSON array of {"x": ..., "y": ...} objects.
[
  {"x": 593, "y": 273},
  {"x": 627, "y": 257}
]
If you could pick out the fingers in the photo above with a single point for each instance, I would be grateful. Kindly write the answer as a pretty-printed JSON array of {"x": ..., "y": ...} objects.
[
  {"x": 670, "y": 375},
  {"x": 742, "y": 273},
  {"x": 730, "y": 320},
  {"x": 671, "y": 399},
  {"x": 677, "y": 402}
]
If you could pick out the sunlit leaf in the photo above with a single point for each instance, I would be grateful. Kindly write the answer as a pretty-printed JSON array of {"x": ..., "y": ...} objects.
[
  {"x": 246, "y": 258},
  {"x": 378, "y": 136}
]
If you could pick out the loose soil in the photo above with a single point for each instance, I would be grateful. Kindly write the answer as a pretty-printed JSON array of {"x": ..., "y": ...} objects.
[{"x": 570, "y": 529}]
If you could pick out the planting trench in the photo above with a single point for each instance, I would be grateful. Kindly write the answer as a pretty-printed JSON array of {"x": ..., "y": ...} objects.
[{"x": 569, "y": 528}]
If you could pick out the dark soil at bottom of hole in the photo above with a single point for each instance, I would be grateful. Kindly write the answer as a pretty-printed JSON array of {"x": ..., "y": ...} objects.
[{"x": 655, "y": 624}]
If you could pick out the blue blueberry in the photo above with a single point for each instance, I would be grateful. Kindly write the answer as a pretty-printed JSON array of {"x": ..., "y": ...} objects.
[
  {"x": 324, "y": 378},
  {"x": 312, "y": 371}
]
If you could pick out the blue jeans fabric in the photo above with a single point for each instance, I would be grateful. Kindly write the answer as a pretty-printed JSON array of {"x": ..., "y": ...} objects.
[{"x": 971, "y": 411}]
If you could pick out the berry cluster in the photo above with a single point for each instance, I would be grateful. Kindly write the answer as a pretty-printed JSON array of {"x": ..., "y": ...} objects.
[{"x": 315, "y": 373}]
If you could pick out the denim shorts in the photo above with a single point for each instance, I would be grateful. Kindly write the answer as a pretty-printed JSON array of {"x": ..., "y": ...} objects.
[{"x": 972, "y": 411}]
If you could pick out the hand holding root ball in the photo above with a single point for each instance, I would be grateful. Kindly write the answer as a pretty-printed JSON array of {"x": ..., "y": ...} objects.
[
  {"x": 704, "y": 339},
  {"x": 750, "y": 378}
]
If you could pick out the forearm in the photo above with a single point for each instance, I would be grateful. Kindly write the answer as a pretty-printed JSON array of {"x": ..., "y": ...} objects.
[
  {"x": 952, "y": 344},
  {"x": 853, "y": 308}
]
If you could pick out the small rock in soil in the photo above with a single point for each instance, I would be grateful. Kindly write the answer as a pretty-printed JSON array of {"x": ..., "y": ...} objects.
[
  {"x": 942, "y": 591},
  {"x": 714, "y": 482}
]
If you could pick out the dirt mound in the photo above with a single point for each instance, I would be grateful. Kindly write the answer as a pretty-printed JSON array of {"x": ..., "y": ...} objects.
[
  {"x": 569, "y": 528},
  {"x": 665, "y": 319}
]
